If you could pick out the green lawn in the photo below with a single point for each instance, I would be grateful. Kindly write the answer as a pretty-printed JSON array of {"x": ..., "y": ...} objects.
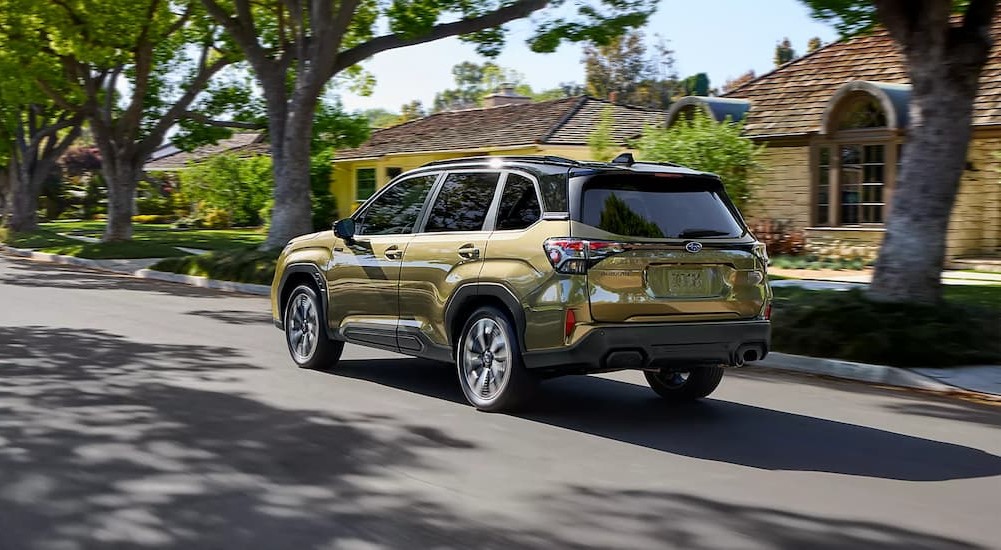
[
  {"x": 247, "y": 265},
  {"x": 36, "y": 239},
  {"x": 104, "y": 251},
  {"x": 163, "y": 234}
]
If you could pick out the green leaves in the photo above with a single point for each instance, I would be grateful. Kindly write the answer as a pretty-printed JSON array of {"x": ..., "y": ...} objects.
[
  {"x": 849, "y": 17},
  {"x": 704, "y": 144}
]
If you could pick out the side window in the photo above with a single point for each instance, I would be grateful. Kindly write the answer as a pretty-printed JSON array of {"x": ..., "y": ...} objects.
[
  {"x": 463, "y": 202},
  {"x": 365, "y": 180},
  {"x": 395, "y": 211},
  {"x": 519, "y": 206}
]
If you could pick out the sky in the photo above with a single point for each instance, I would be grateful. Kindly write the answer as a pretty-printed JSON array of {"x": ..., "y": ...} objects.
[{"x": 723, "y": 38}]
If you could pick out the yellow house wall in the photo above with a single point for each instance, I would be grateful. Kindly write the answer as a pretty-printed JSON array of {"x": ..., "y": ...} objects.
[
  {"x": 783, "y": 191},
  {"x": 785, "y": 194}
]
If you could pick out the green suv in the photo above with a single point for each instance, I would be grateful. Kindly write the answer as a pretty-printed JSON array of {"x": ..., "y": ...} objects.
[{"x": 517, "y": 269}]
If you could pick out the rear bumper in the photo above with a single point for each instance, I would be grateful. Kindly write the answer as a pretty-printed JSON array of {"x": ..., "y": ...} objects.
[{"x": 649, "y": 346}]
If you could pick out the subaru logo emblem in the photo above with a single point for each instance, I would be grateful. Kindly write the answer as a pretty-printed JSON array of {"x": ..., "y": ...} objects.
[{"x": 693, "y": 246}]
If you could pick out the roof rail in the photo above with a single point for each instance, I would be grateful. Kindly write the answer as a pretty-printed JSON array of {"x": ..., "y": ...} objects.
[{"x": 524, "y": 158}]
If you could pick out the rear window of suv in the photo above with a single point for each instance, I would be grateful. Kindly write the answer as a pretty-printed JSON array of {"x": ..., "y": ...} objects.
[{"x": 658, "y": 207}]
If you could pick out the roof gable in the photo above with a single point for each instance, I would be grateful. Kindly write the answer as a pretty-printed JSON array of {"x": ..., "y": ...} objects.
[
  {"x": 566, "y": 121},
  {"x": 792, "y": 98},
  {"x": 240, "y": 143}
]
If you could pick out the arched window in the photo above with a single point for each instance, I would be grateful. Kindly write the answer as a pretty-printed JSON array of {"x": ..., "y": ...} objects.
[{"x": 857, "y": 154}]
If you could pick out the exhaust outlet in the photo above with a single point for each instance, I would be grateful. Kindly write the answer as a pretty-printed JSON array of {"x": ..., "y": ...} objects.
[{"x": 750, "y": 355}]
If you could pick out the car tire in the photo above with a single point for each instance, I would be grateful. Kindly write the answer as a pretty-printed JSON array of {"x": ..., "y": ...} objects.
[
  {"x": 488, "y": 361},
  {"x": 681, "y": 386},
  {"x": 305, "y": 336}
]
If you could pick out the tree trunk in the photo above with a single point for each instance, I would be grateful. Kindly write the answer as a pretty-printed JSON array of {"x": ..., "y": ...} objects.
[
  {"x": 4, "y": 197},
  {"x": 912, "y": 256},
  {"x": 121, "y": 178},
  {"x": 24, "y": 199},
  {"x": 290, "y": 150},
  {"x": 944, "y": 70}
]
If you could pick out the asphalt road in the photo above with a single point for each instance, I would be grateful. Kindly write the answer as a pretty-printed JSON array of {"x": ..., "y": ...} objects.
[{"x": 136, "y": 414}]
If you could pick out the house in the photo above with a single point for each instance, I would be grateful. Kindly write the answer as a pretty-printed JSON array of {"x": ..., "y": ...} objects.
[
  {"x": 168, "y": 158},
  {"x": 835, "y": 123},
  {"x": 508, "y": 124}
]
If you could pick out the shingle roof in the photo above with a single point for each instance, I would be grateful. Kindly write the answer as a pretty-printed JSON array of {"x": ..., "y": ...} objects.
[
  {"x": 562, "y": 121},
  {"x": 241, "y": 143},
  {"x": 791, "y": 99}
]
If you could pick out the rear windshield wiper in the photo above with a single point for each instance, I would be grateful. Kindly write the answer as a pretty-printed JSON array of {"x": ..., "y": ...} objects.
[{"x": 695, "y": 233}]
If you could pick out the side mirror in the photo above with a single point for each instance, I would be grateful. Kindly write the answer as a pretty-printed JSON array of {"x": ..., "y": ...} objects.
[{"x": 345, "y": 229}]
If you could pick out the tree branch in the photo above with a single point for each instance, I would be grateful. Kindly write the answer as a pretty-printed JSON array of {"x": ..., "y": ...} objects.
[
  {"x": 195, "y": 87},
  {"x": 361, "y": 52},
  {"x": 202, "y": 118}
]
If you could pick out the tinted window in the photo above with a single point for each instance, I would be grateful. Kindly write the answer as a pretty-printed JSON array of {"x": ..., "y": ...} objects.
[
  {"x": 395, "y": 211},
  {"x": 658, "y": 208},
  {"x": 519, "y": 207},
  {"x": 463, "y": 202}
]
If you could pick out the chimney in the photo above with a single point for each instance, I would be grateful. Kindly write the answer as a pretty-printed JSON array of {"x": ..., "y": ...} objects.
[
  {"x": 613, "y": 97},
  {"x": 505, "y": 95}
]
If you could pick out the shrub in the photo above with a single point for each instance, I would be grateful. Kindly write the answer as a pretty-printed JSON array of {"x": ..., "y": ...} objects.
[
  {"x": 846, "y": 325},
  {"x": 239, "y": 186},
  {"x": 703, "y": 144},
  {"x": 780, "y": 236},
  {"x": 151, "y": 218},
  {"x": 323, "y": 203},
  {"x": 150, "y": 201},
  {"x": 247, "y": 265},
  {"x": 216, "y": 218}
]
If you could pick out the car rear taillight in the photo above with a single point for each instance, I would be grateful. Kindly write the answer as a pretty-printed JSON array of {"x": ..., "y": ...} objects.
[
  {"x": 768, "y": 312},
  {"x": 570, "y": 255}
]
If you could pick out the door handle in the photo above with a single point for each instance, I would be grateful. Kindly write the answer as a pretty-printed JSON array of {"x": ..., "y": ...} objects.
[
  {"x": 469, "y": 252},
  {"x": 393, "y": 253}
]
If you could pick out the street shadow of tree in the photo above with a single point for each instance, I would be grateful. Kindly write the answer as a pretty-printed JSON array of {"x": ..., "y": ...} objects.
[
  {"x": 34, "y": 274},
  {"x": 107, "y": 442},
  {"x": 233, "y": 316},
  {"x": 689, "y": 521},
  {"x": 713, "y": 429}
]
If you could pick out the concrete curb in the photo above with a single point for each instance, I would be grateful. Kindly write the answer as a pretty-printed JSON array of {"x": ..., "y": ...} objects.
[
  {"x": 60, "y": 259},
  {"x": 861, "y": 372},
  {"x": 190, "y": 280},
  {"x": 204, "y": 282}
]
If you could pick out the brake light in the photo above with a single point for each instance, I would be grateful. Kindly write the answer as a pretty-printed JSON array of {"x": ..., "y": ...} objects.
[
  {"x": 768, "y": 312},
  {"x": 570, "y": 255},
  {"x": 571, "y": 322}
]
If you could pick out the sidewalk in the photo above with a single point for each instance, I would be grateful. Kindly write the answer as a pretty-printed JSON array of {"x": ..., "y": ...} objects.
[
  {"x": 865, "y": 276},
  {"x": 981, "y": 379}
]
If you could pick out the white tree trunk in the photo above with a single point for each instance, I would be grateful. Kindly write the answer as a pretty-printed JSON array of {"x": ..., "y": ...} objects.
[
  {"x": 290, "y": 156},
  {"x": 122, "y": 179}
]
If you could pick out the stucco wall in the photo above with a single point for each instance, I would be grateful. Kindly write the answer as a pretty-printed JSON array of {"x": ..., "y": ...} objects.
[
  {"x": 974, "y": 230},
  {"x": 975, "y": 226},
  {"x": 783, "y": 192}
]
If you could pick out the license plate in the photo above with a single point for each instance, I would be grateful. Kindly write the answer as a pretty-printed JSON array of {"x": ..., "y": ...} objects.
[{"x": 670, "y": 282}]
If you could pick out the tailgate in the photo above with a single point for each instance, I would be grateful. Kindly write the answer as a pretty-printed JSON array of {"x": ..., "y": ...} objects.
[{"x": 656, "y": 284}]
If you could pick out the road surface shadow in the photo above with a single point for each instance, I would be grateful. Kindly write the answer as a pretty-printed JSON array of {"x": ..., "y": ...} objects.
[
  {"x": 690, "y": 521},
  {"x": 107, "y": 442},
  {"x": 20, "y": 272},
  {"x": 234, "y": 316},
  {"x": 104, "y": 443},
  {"x": 712, "y": 429}
]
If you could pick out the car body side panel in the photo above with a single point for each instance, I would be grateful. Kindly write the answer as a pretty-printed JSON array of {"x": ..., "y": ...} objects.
[
  {"x": 312, "y": 250},
  {"x": 517, "y": 261},
  {"x": 363, "y": 281},
  {"x": 434, "y": 265}
]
